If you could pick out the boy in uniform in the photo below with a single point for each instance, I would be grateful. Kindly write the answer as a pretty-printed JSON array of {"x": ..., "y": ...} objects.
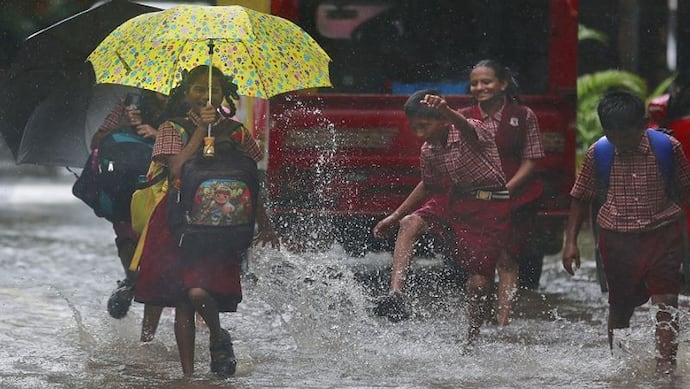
[{"x": 640, "y": 223}]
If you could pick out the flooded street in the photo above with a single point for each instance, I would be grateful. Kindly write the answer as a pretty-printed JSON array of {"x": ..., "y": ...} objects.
[{"x": 305, "y": 321}]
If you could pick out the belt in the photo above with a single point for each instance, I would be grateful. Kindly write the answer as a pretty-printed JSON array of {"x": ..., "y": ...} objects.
[{"x": 490, "y": 195}]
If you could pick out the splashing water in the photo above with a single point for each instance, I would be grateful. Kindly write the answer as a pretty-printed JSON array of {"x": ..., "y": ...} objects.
[{"x": 305, "y": 322}]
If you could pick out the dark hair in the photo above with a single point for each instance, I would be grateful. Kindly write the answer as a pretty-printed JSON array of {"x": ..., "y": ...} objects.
[
  {"x": 414, "y": 108},
  {"x": 503, "y": 73},
  {"x": 177, "y": 106},
  {"x": 151, "y": 108},
  {"x": 621, "y": 111}
]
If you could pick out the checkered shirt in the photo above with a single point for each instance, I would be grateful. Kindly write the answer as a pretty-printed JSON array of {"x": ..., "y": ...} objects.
[
  {"x": 169, "y": 141},
  {"x": 532, "y": 147},
  {"x": 468, "y": 165},
  {"x": 636, "y": 200}
]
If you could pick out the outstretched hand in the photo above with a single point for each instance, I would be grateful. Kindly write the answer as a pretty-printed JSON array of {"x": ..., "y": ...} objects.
[{"x": 436, "y": 102}]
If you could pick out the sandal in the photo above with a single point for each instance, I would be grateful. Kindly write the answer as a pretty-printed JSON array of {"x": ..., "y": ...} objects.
[
  {"x": 223, "y": 361},
  {"x": 391, "y": 306},
  {"x": 121, "y": 299}
]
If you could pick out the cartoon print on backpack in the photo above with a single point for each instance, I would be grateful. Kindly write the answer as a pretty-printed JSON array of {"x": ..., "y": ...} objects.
[{"x": 222, "y": 202}]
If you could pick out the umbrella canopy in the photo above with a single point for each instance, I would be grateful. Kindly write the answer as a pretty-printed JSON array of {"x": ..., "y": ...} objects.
[
  {"x": 267, "y": 55},
  {"x": 50, "y": 62},
  {"x": 60, "y": 129}
]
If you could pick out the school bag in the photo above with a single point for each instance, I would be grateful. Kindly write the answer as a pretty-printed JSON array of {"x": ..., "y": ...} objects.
[
  {"x": 112, "y": 172},
  {"x": 212, "y": 209},
  {"x": 603, "y": 159}
]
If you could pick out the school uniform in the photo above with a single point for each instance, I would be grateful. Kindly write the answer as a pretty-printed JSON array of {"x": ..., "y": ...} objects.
[
  {"x": 517, "y": 137},
  {"x": 474, "y": 212},
  {"x": 164, "y": 274},
  {"x": 640, "y": 225}
]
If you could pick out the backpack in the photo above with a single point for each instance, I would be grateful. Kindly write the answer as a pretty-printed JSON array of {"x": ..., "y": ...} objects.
[
  {"x": 112, "y": 172},
  {"x": 603, "y": 159},
  {"x": 213, "y": 209}
]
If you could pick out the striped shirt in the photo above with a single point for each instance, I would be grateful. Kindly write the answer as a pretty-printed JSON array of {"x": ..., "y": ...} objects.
[
  {"x": 169, "y": 141},
  {"x": 636, "y": 200},
  {"x": 468, "y": 166}
]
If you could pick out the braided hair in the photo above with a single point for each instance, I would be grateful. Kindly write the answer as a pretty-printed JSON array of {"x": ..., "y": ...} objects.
[
  {"x": 503, "y": 73},
  {"x": 177, "y": 106}
]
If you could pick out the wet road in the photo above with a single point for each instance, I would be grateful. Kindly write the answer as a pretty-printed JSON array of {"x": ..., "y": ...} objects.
[{"x": 305, "y": 321}]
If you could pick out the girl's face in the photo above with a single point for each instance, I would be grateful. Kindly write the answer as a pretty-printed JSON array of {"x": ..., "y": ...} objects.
[
  {"x": 197, "y": 95},
  {"x": 484, "y": 85}
]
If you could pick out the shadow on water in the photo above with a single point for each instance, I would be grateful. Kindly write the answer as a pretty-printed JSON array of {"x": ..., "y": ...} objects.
[{"x": 305, "y": 321}]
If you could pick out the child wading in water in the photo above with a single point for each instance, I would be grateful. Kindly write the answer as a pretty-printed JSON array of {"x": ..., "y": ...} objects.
[
  {"x": 640, "y": 224},
  {"x": 497, "y": 105},
  {"x": 462, "y": 191},
  {"x": 206, "y": 284}
]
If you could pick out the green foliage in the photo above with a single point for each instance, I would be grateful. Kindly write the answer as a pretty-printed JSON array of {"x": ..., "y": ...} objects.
[
  {"x": 586, "y": 33},
  {"x": 590, "y": 89}
]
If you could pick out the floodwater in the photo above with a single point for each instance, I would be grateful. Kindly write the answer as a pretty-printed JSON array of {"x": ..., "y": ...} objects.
[{"x": 305, "y": 321}]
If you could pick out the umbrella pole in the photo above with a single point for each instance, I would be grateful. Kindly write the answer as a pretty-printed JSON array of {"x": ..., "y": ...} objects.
[
  {"x": 210, "y": 75},
  {"x": 209, "y": 149}
]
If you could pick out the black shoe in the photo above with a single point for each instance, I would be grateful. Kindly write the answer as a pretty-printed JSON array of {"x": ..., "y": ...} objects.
[
  {"x": 121, "y": 299},
  {"x": 223, "y": 360},
  {"x": 391, "y": 306}
]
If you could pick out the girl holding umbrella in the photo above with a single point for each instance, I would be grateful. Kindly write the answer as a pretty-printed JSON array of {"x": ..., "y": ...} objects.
[{"x": 205, "y": 284}]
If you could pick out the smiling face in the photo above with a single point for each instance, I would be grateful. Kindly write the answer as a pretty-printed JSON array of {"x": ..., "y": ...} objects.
[
  {"x": 197, "y": 94},
  {"x": 484, "y": 85}
]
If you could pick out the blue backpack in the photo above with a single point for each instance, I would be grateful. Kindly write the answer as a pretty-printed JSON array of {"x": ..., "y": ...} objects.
[
  {"x": 603, "y": 159},
  {"x": 112, "y": 172}
]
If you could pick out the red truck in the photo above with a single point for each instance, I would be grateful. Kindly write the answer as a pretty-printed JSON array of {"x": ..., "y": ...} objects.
[{"x": 342, "y": 158}]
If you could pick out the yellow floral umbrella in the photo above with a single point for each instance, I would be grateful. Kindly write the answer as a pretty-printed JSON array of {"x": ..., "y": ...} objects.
[{"x": 266, "y": 55}]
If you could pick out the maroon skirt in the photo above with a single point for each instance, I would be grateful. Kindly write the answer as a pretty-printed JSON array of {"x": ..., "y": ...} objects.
[
  {"x": 165, "y": 275},
  {"x": 474, "y": 230}
]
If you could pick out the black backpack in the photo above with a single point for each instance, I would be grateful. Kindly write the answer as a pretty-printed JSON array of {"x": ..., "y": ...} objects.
[
  {"x": 112, "y": 172},
  {"x": 214, "y": 208}
]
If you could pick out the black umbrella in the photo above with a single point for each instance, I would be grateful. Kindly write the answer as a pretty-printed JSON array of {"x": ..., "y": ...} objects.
[
  {"x": 49, "y": 82},
  {"x": 60, "y": 128}
]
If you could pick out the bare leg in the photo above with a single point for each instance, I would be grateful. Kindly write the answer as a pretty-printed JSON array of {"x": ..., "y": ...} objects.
[
  {"x": 149, "y": 325},
  {"x": 478, "y": 287},
  {"x": 207, "y": 307},
  {"x": 223, "y": 361},
  {"x": 184, "y": 334},
  {"x": 507, "y": 268},
  {"x": 666, "y": 332},
  {"x": 411, "y": 228},
  {"x": 619, "y": 317}
]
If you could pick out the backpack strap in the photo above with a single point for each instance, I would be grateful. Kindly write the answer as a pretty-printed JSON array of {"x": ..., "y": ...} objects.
[
  {"x": 603, "y": 160},
  {"x": 181, "y": 125},
  {"x": 663, "y": 150}
]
